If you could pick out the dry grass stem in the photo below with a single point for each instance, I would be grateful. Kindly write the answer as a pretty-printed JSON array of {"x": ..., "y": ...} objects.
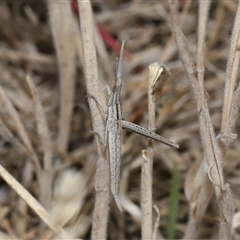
[
  {"x": 100, "y": 215},
  {"x": 168, "y": 51},
  {"x": 210, "y": 145},
  {"x": 44, "y": 134},
  {"x": 146, "y": 192},
  {"x": 52, "y": 129},
  {"x": 22, "y": 131},
  {"x": 22, "y": 205},
  {"x": 62, "y": 23},
  {"x": 156, "y": 71},
  {"x": 228, "y": 135},
  {"x": 202, "y": 24},
  {"x": 213, "y": 35},
  {"x": 231, "y": 71},
  {"x": 32, "y": 202},
  {"x": 103, "y": 55},
  {"x": 231, "y": 99},
  {"x": 18, "y": 57},
  {"x": 186, "y": 58},
  {"x": 156, "y": 225},
  {"x": 201, "y": 190}
]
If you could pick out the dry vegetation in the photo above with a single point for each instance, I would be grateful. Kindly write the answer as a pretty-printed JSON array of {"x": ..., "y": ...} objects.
[{"x": 51, "y": 143}]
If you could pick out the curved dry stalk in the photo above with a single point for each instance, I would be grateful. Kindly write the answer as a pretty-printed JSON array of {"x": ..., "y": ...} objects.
[{"x": 100, "y": 214}]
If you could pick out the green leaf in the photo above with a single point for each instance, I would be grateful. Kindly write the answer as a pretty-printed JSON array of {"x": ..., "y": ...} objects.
[{"x": 174, "y": 199}]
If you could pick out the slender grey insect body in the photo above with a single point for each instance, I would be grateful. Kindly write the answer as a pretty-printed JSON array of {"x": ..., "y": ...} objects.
[
  {"x": 112, "y": 136},
  {"x": 114, "y": 146},
  {"x": 114, "y": 124}
]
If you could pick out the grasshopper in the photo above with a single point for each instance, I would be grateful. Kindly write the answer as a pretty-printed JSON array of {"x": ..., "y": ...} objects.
[
  {"x": 112, "y": 136},
  {"x": 114, "y": 125}
]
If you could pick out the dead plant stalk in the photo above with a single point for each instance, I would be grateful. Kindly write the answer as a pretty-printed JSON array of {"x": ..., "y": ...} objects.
[
  {"x": 201, "y": 188},
  {"x": 100, "y": 214},
  {"x": 210, "y": 144},
  {"x": 43, "y": 131},
  {"x": 62, "y": 24},
  {"x": 231, "y": 71},
  {"x": 155, "y": 70}
]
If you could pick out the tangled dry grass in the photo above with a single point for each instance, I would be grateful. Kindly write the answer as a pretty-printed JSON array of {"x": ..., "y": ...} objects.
[{"x": 54, "y": 172}]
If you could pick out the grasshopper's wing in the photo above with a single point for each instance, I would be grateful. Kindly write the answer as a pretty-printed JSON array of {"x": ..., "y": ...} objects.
[{"x": 114, "y": 143}]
